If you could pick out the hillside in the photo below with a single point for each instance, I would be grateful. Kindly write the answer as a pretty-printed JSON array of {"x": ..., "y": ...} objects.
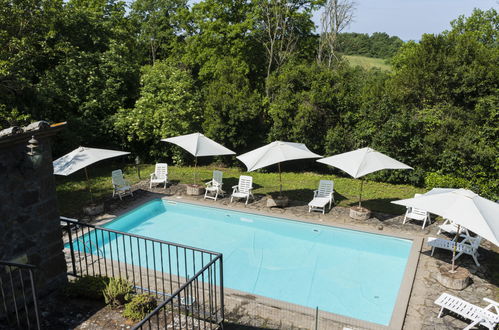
[{"x": 367, "y": 62}]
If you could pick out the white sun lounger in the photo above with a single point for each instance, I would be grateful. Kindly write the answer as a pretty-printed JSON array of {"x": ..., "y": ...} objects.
[
  {"x": 322, "y": 196},
  {"x": 214, "y": 186},
  {"x": 120, "y": 186},
  {"x": 487, "y": 317},
  {"x": 243, "y": 189},
  {"x": 417, "y": 214},
  {"x": 160, "y": 175},
  {"x": 468, "y": 246}
]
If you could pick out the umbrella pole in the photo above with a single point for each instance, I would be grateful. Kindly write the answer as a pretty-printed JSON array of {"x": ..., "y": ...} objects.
[
  {"x": 195, "y": 168},
  {"x": 88, "y": 186},
  {"x": 360, "y": 194},
  {"x": 280, "y": 179},
  {"x": 452, "y": 270}
]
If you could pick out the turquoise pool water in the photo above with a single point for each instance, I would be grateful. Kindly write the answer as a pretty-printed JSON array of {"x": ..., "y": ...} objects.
[{"x": 342, "y": 271}]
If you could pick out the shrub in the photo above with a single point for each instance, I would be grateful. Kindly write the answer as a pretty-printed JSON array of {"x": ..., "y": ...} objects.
[
  {"x": 139, "y": 307},
  {"x": 89, "y": 287},
  {"x": 118, "y": 291},
  {"x": 433, "y": 180}
]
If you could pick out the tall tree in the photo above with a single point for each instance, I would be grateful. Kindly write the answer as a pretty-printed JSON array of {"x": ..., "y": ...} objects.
[
  {"x": 161, "y": 24},
  {"x": 280, "y": 26},
  {"x": 337, "y": 15}
]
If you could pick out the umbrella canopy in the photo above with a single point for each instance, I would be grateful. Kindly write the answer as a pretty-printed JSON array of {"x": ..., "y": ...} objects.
[
  {"x": 81, "y": 157},
  {"x": 363, "y": 161},
  {"x": 199, "y": 145},
  {"x": 463, "y": 207},
  {"x": 275, "y": 152}
]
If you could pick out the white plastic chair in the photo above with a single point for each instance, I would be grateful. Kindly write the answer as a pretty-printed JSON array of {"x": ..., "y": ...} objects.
[
  {"x": 214, "y": 186},
  {"x": 322, "y": 196},
  {"x": 120, "y": 186},
  {"x": 487, "y": 317},
  {"x": 417, "y": 214},
  {"x": 160, "y": 175},
  {"x": 450, "y": 227},
  {"x": 468, "y": 246},
  {"x": 243, "y": 189}
]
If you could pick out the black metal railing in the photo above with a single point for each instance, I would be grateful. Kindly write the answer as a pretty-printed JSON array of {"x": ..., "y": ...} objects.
[
  {"x": 18, "y": 296},
  {"x": 194, "y": 305},
  {"x": 187, "y": 281}
]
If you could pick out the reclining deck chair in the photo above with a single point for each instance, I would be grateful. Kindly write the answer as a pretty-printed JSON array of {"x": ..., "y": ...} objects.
[
  {"x": 486, "y": 317},
  {"x": 160, "y": 175},
  {"x": 120, "y": 186},
  {"x": 322, "y": 196},
  {"x": 417, "y": 214},
  {"x": 214, "y": 186},
  {"x": 243, "y": 189}
]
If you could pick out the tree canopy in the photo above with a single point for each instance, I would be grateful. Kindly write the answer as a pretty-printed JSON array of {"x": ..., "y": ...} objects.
[{"x": 245, "y": 73}]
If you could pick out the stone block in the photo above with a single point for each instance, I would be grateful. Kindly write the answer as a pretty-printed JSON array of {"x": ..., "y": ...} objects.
[{"x": 29, "y": 198}]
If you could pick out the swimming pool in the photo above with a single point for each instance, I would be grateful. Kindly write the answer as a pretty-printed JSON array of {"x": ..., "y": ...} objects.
[{"x": 347, "y": 272}]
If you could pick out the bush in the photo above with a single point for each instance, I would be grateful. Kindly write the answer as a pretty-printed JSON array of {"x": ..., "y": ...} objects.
[
  {"x": 118, "y": 291},
  {"x": 139, "y": 307},
  {"x": 483, "y": 187},
  {"x": 90, "y": 287}
]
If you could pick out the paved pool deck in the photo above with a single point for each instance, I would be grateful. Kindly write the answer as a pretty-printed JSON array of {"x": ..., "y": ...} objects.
[{"x": 419, "y": 313}]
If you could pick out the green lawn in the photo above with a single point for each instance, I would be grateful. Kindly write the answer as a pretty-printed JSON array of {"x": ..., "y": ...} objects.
[
  {"x": 367, "y": 62},
  {"x": 72, "y": 193}
]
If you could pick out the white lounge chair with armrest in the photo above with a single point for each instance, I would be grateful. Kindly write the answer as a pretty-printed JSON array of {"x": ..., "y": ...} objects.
[
  {"x": 322, "y": 196},
  {"x": 417, "y": 214},
  {"x": 487, "y": 317},
  {"x": 160, "y": 175},
  {"x": 120, "y": 186},
  {"x": 214, "y": 186},
  {"x": 468, "y": 246},
  {"x": 243, "y": 189}
]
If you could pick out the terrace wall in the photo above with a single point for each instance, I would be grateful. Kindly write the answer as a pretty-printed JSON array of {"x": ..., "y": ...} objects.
[{"x": 29, "y": 215}]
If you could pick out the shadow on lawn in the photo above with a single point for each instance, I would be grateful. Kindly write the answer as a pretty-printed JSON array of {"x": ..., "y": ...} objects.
[{"x": 378, "y": 204}]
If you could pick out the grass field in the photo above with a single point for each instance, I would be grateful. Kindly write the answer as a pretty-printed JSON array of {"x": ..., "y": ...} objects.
[
  {"x": 367, "y": 62},
  {"x": 72, "y": 193}
]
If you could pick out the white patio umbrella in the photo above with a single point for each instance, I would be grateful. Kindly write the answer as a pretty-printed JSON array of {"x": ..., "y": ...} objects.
[
  {"x": 199, "y": 145},
  {"x": 82, "y": 157},
  {"x": 464, "y": 208},
  {"x": 275, "y": 152},
  {"x": 363, "y": 161}
]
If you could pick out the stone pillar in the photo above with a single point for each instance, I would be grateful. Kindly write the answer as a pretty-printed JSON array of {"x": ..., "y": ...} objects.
[{"x": 29, "y": 214}]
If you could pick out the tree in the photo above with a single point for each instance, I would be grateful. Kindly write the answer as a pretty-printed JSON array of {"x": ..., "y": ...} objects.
[
  {"x": 337, "y": 15},
  {"x": 161, "y": 24},
  {"x": 168, "y": 105},
  {"x": 280, "y": 26},
  {"x": 232, "y": 108}
]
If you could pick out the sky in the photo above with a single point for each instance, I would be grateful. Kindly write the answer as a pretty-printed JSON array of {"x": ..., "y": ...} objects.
[{"x": 409, "y": 19}]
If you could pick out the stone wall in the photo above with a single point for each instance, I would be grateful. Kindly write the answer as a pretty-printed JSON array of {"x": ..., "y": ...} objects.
[{"x": 29, "y": 216}]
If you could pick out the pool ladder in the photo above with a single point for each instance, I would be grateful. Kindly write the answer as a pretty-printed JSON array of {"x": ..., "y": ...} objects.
[{"x": 88, "y": 245}]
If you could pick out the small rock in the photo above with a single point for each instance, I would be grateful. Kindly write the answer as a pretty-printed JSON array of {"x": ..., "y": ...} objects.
[
  {"x": 380, "y": 227},
  {"x": 79, "y": 316}
]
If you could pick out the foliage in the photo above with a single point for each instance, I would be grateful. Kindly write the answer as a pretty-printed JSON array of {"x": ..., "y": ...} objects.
[
  {"x": 90, "y": 287},
  {"x": 232, "y": 109},
  {"x": 139, "y": 307},
  {"x": 127, "y": 77},
  {"x": 168, "y": 106},
  {"x": 379, "y": 44},
  {"x": 118, "y": 291}
]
